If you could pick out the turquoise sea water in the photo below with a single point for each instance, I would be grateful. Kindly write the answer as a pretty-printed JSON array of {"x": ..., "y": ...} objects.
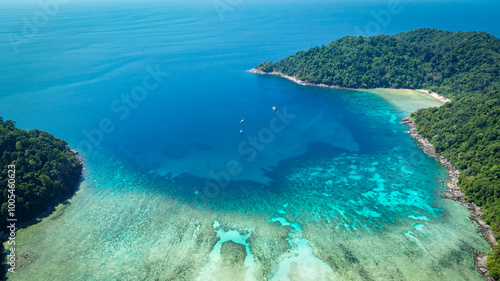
[{"x": 328, "y": 187}]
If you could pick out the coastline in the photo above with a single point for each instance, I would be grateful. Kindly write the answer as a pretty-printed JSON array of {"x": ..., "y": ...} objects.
[
  {"x": 457, "y": 195},
  {"x": 304, "y": 83},
  {"x": 53, "y": 207},
  {"x": 454, "y": 191}
]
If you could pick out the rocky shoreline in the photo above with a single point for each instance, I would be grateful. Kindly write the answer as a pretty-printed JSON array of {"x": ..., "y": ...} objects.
[
  {"x": 295, "y": 79},
  {"x": 456, "y": 194}
]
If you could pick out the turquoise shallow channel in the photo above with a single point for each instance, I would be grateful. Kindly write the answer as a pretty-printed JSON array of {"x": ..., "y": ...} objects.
[{"x": 334, "y": 188}]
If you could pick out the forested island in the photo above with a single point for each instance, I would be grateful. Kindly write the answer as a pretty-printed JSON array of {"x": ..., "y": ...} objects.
[
  {"x": 462, "y": 66},
  {"x": 46, "y": 171}
]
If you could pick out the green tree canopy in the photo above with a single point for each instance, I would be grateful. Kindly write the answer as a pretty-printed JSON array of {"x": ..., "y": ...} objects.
[{"x": 46, "y": 171}]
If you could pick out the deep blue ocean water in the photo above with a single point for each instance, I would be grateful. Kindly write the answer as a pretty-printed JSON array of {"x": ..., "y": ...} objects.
[{"x": 153, "y": 94}]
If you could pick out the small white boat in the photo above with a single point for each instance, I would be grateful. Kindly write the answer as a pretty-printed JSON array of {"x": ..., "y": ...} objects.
[
  {"x": 274, "y": 108},
  {"x": 242, "y": 120},
  {"x": 241, "y": 131}
]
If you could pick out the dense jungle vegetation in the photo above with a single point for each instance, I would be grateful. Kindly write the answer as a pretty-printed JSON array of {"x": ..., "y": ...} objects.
[{"x": 46, "y": 171}]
